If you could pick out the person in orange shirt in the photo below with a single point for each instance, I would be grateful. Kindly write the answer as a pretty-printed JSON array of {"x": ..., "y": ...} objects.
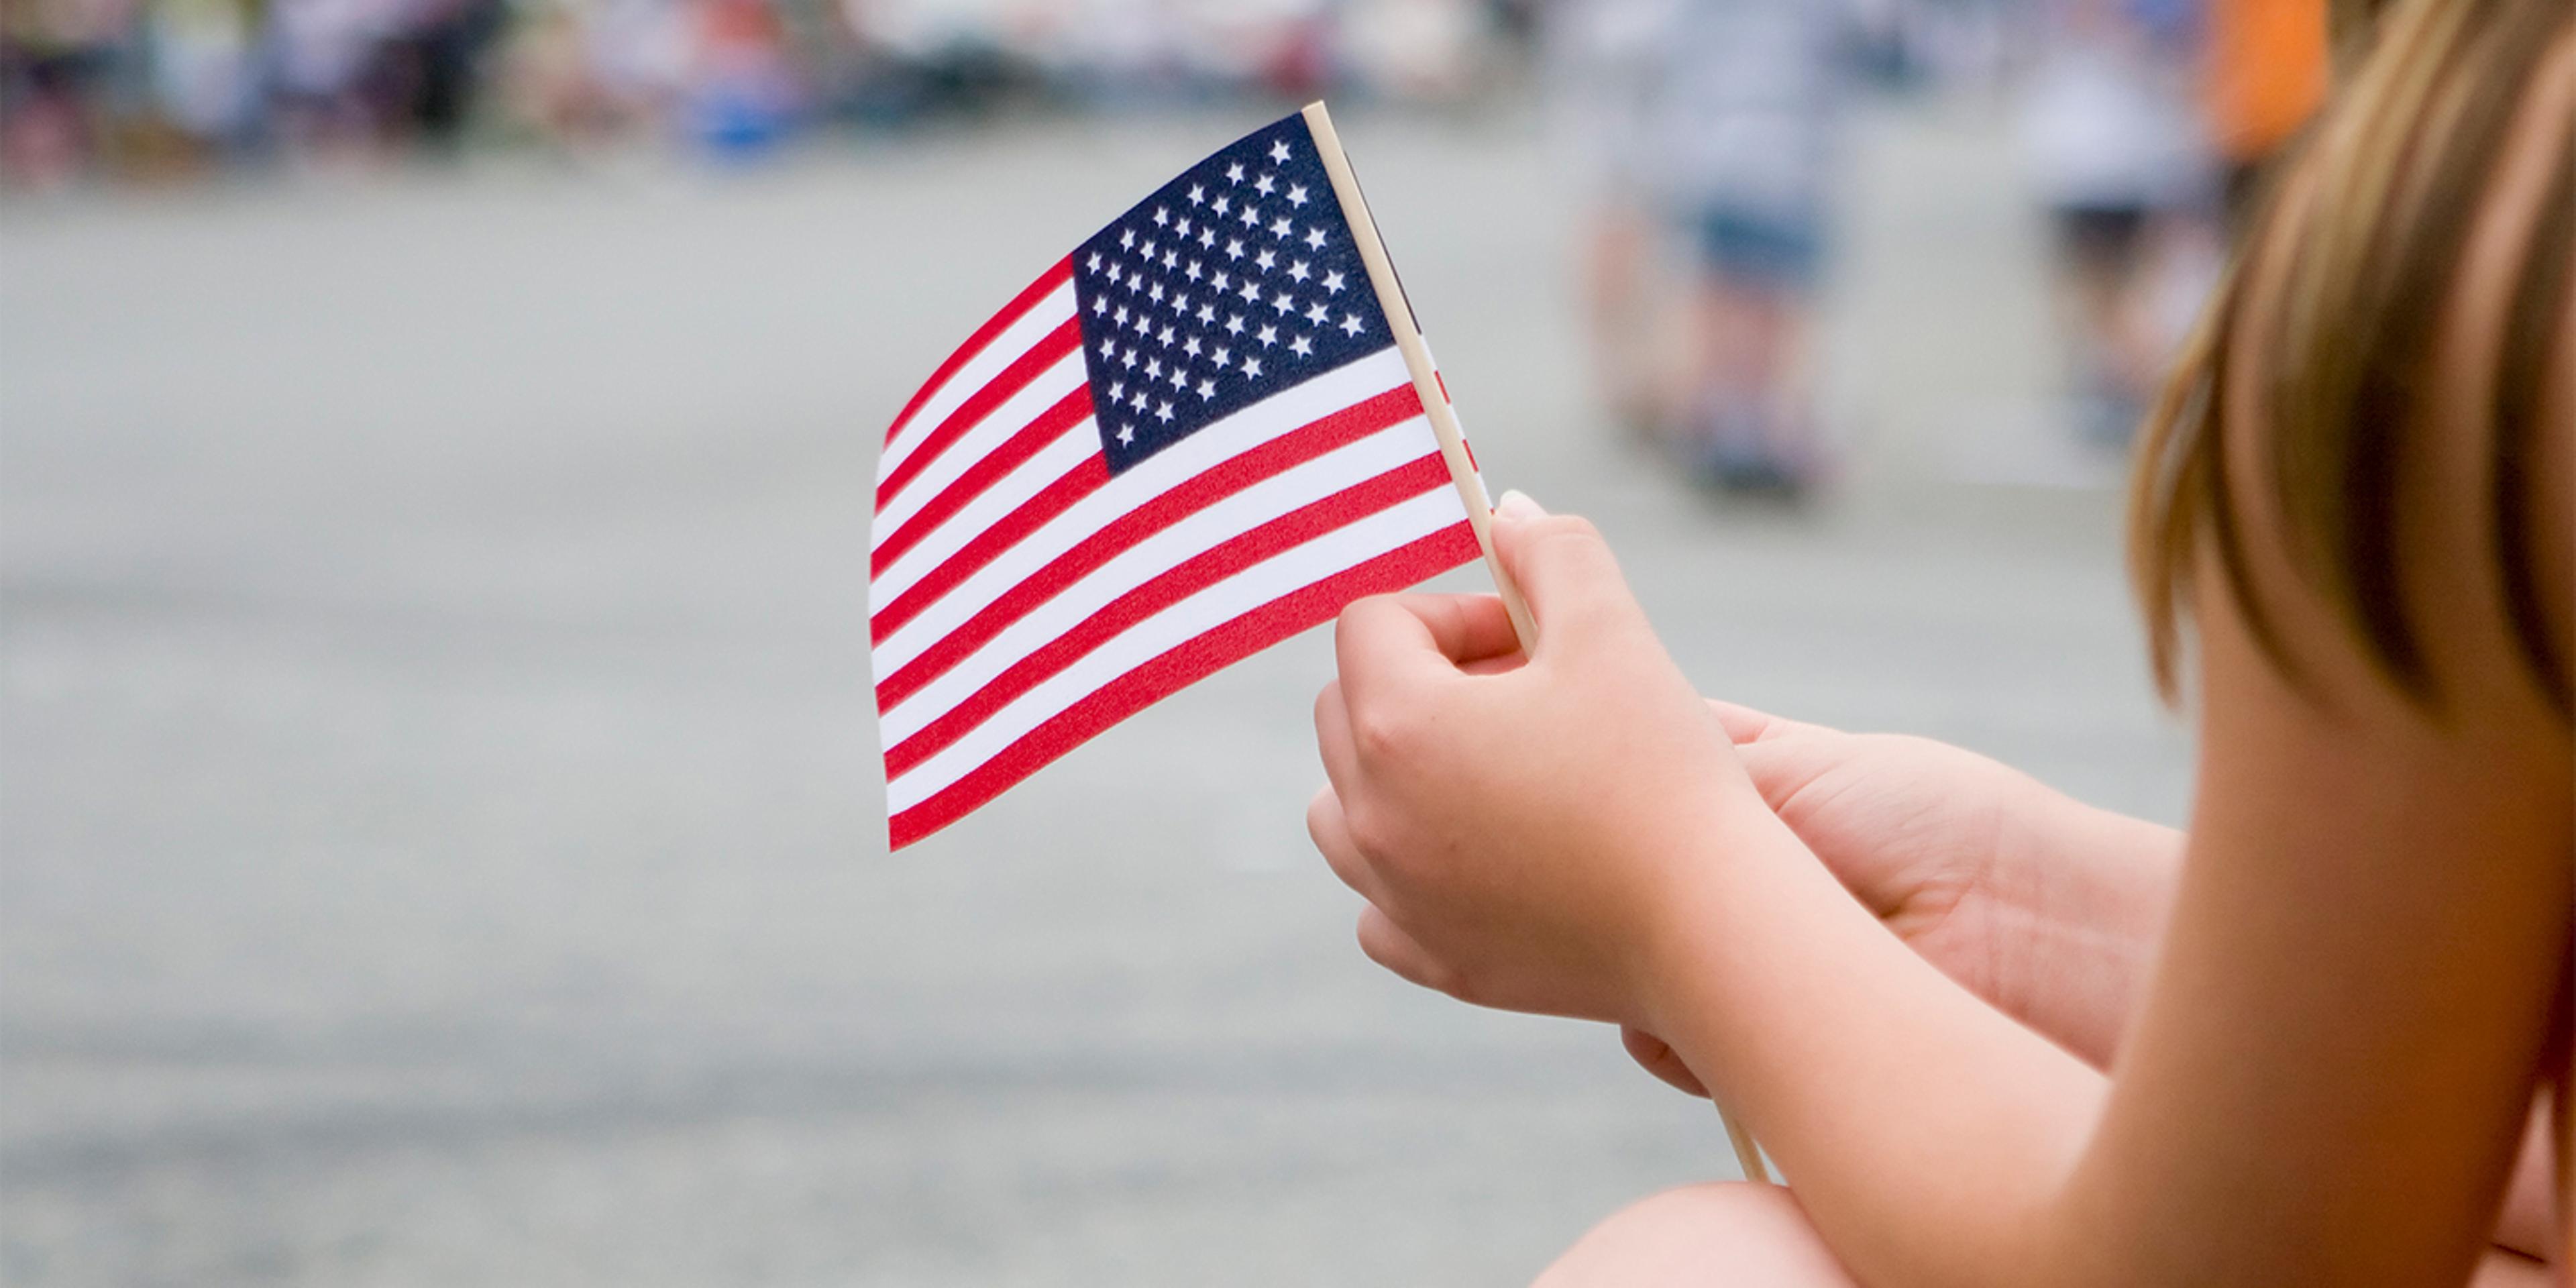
[{"x": 2264, "y": 77}]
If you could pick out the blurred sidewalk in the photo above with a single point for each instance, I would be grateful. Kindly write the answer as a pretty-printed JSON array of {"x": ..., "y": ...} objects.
[{"x": 439, "y": 824}]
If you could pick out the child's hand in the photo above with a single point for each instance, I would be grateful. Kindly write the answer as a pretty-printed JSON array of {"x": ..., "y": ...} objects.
[
  {"x": 2040, "y": 904},
  {"x": 1522, "y": 835}
]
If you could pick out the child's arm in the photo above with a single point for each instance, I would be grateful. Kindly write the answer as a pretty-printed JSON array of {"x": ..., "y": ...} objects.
[
  {"x": 2040, "y": 904},
  {"x": 2262, "y": 1111}
]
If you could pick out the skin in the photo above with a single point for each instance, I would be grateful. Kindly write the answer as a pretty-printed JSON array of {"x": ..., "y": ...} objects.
[{"x": 2325, "y": 1071}]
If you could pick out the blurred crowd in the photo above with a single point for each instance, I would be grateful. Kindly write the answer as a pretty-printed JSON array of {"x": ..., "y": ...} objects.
[
  {"x": 1706, "y": 133},
  {"x": 164, "y": 88},
  {"x": 1711, "y": 132}
]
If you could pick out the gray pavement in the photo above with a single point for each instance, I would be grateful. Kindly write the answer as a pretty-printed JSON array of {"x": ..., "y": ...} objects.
[{"x": 440, "y": 834}]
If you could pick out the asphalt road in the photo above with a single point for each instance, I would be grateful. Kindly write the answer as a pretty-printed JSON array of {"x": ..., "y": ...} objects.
[{"x": 440, "y": 831}]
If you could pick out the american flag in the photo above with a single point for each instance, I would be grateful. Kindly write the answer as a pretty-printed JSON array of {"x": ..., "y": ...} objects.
[{"x": 1189, "y": 439}]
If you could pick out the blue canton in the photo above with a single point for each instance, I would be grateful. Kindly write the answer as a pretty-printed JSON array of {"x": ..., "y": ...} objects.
[{"x": 1233, "y": 282}]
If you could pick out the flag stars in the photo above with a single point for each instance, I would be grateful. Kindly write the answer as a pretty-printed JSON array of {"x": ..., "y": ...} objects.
[
  {"x": 1171, "y": 260},
  {"x": 1268, "y": 337},
  {"x": 1198, "y": 194},
  {"x": 1251, "y": 292},
  {"x": 1095, "y": 261},
  {"x": 1207, "y": 315},
  {"x": 1297, "y": 195},
  {"x": 1180, "y": 379},
  {"x": 1207, "y": 238},
  {"x": 1162, "y": 217},
  {"x": 1120, "y": 317},
  {"x": 1234, "y": 248},
  {"x": 1351, "y": 324},
  {"x": 1126, "y": 239},
  {"x": 1190, "y": 346},
  {"x": 1251, "y": 216},
  {"x": 1234, "y": 324},
  {"x": 1144, "y": 324},
  {"x": 1165, "y": 339},
  {"x": 1126, "y": 435},
  {"x": 1223, "y": 281},
  {"x": 1207, "y": 390},
  {"x": 1279, "y": 150},
  {"x": 1302, "y": 347},
  {"x": 1319, "y": 315},
  {"x": 1266, "y": 185},
  {"x": 1180, "y": 304},
  {"x": 1099, "y": 305},
  {"x": 1137, "y": 403},
  {"x": 1192, "y": 272},
  {"x": 1128, "y": 360},
  {"x": 1150, "y": 248},
  {"x": 1333, "y": 283},
  {"x": 1251, "y": 368},
  {"x": 1117, "y": 390},
  {"x": 1266, "y": 260},
  {"x": 1234, "y": 173},
  {"x": 1154, "y": 369},
  {"x": 1224, "y": 204},
  {"x": 1156, "y": 294},
  {"x": 1300, "y": 270},
  {"x": 1282, "y": 228},
  {"x": 1315, "y": 238},
  {"x": 1221, "y": 357},
  {"x": 1285, "y": 303},
  {"x": 1163, "y": 412}
]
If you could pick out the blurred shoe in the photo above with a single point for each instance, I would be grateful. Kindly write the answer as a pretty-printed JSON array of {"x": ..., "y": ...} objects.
[{"x": 1737, "y": 453}]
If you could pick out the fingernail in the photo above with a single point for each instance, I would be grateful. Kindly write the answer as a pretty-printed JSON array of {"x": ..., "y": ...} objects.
[{"x": 1516, "y": 504}]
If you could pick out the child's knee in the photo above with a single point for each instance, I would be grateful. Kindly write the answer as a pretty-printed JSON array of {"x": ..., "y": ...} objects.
[{"x": 1725, "y": 1235}]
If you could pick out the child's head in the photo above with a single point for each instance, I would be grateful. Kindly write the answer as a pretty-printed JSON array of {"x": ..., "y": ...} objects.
[{"x": 2380, "y": 396}]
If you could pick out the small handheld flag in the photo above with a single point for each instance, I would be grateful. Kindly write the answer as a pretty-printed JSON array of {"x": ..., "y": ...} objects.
[{"x": 1210, "y": 427}]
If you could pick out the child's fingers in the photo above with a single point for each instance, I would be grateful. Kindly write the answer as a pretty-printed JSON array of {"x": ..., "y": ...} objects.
[
  {"x": 1465, "y": 628},
  {"x": 1381, "y": 645},
  {"x": 1333, "y": 738},
  {"x": 1744, "y": 724},
  {"x": 1332, "y": 836},
  {"x": 1566, "y": 572},
  {"x": 1656, "y": 1056},
  {"x": 1388, "y": 946}
]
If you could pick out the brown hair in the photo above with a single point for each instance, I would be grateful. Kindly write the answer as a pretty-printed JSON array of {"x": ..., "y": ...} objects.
[{"x": 2387, "y": 186}]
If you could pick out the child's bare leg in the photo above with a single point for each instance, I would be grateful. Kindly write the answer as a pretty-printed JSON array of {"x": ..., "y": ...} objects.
[
  {"x": 1705, "y": 1236},
  {"x": 1735, "y": 1235}
]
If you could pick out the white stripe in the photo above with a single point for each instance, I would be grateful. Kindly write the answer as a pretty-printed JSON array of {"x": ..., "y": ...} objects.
[
  {"x": 1009, "y": 417},
  {"x": 1334, "y": 552},
  {"x": 1077, "y": 444},
  {"x": 976, "y": 372},
  {"x": 1276, "y": 416},
  {"x": 1335, "y": 471}
]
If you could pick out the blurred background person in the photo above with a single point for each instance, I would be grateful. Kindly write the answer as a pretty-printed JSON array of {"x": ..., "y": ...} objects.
[
  {"x": 2118, "y": 155},
  {"x": 2264, "y": 76},
  {"x": 1709, "y": 129}
]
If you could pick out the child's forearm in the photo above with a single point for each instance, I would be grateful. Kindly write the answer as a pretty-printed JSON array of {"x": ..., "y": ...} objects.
[
  {"x": 1927, "y": 1133},
  {"x": 2077, "y": 904}
]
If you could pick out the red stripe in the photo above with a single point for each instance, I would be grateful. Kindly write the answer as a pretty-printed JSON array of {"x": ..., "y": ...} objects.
[
  {"x": 1190, "y": 576},
  {"x": 1201, "y": 490},
  {"x": 1012, "y": 312},
  {"x": 1013, "y": 378},
  {"x": 986, "y": 471},
  {"x": 986, "y": 546},
  {"x": 1183, "y": 665}
]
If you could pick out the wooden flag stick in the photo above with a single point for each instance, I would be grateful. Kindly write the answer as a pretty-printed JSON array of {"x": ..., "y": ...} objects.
[
  {"x": 1453, "y": 449},
  {"x": 1417, "y": 360}
]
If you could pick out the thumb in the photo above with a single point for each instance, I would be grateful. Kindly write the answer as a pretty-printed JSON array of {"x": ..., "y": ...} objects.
[{"x": 1563, "y": 567}]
